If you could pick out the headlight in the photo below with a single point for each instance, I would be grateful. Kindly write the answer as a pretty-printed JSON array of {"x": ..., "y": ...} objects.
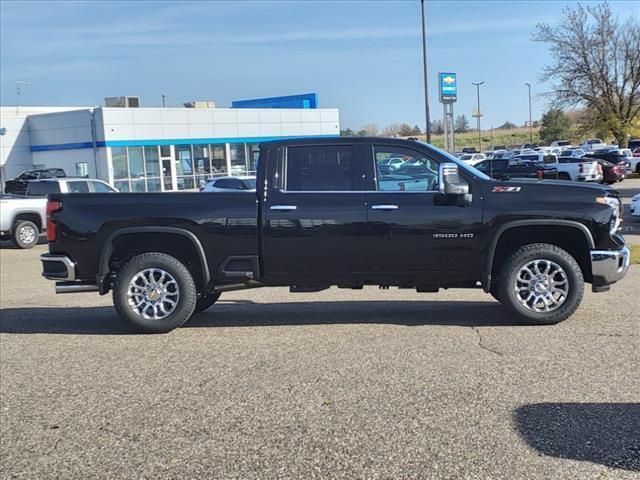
[{"x": 616, "y": 212}]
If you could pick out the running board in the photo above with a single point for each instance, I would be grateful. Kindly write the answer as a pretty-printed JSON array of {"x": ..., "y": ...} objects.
[{"x": 75, "y": 287}]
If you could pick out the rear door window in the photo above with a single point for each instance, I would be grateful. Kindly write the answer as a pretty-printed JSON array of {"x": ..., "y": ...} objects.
[
  {"x": 78, "y": 187},
  {"x": 320, "y": 168},
  {"x": 100, "y": 187},
  {"x": 42, "y": 189}
]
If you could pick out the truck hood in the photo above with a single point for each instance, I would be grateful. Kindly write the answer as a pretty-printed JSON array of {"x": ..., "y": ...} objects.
[{"x": 533, "y": 184}]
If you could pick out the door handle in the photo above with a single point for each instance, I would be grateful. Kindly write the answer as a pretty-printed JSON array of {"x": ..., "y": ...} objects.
[
  {"x": 384, "y": 207},
  {"x": 283, "y": 208}
]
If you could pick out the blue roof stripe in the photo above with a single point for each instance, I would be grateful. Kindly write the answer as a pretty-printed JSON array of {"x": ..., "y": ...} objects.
[{"x": 171, "y": 141}]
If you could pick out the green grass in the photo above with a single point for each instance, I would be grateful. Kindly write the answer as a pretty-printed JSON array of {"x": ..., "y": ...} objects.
[
  {"x": 517, "y": 136},
  {"x": 635, "y": 254}
]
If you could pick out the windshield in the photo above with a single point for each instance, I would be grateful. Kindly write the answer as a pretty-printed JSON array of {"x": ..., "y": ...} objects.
[{"x": 464, "y": 166}]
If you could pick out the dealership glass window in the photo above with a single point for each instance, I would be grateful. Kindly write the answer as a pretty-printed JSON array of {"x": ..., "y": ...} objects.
[
  {"x": 165, "y": 151},
  {"x": 201, "y": 158},
  {"x": 153, "y": 185},
  {"x": 152, "y": 161},
  {"x": 238, "y": 159},
  {"x": 317, "y": 169},
  {"x": 82, "y": 169},
  {"x": 184, "y": 160},
  {"x": 122, "y": 185},
  {"x": 138, "y": 185},
  {"x": 253, "y": 152},
  {"x": 119, "y": 161},
  {"x": 218, "y": 160},
  {"x": 136, "y": 162}
]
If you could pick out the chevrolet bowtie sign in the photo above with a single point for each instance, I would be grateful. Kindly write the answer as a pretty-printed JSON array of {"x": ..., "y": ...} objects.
[{"x": 448, "y": 86}]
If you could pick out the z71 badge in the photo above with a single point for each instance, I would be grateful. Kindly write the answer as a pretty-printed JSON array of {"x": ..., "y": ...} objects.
[{"x": 504, "y": 189}]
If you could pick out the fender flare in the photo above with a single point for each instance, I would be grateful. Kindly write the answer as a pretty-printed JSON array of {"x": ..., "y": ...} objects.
[
  {"x": 107, "y": 249},
  {"x": 486, "y": 277}
]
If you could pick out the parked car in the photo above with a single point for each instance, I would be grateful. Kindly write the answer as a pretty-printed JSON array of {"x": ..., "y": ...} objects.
[
  {"x": 470, "y": 150},
  {"x": 634, "y": 143},
  {"x": 42, "y": 188},
  {"x": 613, "y": 156},
  {"x": 572, "y": 152},
  {"x": 611, "y": 173},
  {"x": 495, "y": 148},
  {"x": 496, "y": 154},
  {"x": 473, "y": 158},
  {"x": 635, "y": 160},
  {"x": 536, "y": 157},
  {"x": 311, "y": 225},
  {"x": 18, "y": 185},
  {"x": 393, "y": 163},
  {"x": 23, "y": 218},
  {"x": 502, "y": 169},
  {"x": 230, "y": 184},
  {"x": 635, "y": 205},
  {"x": 560, "y": 143},
  {"x": 579, "y": 169}
]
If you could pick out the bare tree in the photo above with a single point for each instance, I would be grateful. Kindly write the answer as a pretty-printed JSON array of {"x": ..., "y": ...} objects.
[
  {"x": 597, "y": 66},
  {"x": 370, "y": 130},
  {"x": 391, "y": 130}
]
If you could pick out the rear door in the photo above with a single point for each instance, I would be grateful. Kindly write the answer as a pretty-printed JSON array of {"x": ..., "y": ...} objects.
[
  {"x": 414, "y": 230},
  {"x": 313, "y": 213}
]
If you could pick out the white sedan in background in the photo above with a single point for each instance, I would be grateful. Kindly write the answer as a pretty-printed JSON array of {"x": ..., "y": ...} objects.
[
  {"x": 472, "y": 158},
  {"x": 230, "y": 184}
]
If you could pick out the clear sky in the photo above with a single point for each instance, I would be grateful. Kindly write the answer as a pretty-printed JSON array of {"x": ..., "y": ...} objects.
[{"x": 362, "y": 57}]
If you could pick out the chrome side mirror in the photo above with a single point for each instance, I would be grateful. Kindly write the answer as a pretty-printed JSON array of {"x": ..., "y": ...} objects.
[{"x": 450, "y": 182}]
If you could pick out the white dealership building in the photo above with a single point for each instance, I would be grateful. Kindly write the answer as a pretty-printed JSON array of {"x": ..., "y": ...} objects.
[{"x": 155, "y": 149}]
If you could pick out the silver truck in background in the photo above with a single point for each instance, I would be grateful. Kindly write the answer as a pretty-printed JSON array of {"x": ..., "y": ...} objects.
[{"x": 22, "y": 219}]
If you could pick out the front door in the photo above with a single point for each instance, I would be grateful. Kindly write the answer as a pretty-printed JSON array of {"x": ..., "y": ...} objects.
[
  {"x": 413, "y": 228},
  {"x": 314, "y": 214}
]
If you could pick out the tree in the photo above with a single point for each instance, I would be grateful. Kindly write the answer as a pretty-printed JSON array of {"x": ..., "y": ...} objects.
[
  {"x": 597, "y": 65},
  {"x": 555, "y": 126},
  {"x": 461, "y": 124},
  {"x": 437, "y": 127},
  {"x": 508, "y": 125},
  {"x": 392, "y": 130},
  {"x": 416, "y": 130},
  {"x": 370, "y": 130},
  {"x": 347, "y": 133},
  {"x": 405, "y": 130}
]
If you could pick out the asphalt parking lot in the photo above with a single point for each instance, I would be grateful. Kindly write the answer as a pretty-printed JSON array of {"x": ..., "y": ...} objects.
[{"x": 336, "y": 384}]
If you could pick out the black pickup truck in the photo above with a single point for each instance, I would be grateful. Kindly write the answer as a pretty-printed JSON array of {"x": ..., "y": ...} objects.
[{"x": 323, "y": 215}]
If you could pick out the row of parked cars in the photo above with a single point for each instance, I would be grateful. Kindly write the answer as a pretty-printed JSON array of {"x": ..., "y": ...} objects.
[{"x": 591, "y": 161}]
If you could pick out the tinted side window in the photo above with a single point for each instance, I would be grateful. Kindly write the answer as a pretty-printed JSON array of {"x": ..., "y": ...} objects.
[
  {"x": 223, "y": 183},
  {"x": 42, "y": 189},
  {"x": 78, "y": 187},
  {"x": 100, "y": 187},
  {"x": 417, "y": 172},
  {"x": 320, "y": 168}
]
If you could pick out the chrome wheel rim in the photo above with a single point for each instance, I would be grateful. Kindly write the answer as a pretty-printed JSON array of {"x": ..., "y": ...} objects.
[
  {"x": 27, "y": 234},
  {"x": 153, "y": 294},
  {"x": 541, "y": 286}
]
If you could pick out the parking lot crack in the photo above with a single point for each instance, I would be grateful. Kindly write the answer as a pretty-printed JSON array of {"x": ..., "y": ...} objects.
[{"x": 482, "y": 345}]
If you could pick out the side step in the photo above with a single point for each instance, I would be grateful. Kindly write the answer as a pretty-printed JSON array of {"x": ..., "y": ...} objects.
[{"x": 75, "y": 287}]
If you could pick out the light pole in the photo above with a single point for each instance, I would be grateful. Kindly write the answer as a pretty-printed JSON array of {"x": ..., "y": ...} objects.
[
  {"x": 424, "y": 71},
  {"x": 530, "y": 124},
  {"x": 163, "y": 98},
  {"x": 478, "y": 115},
  {"x": 2, "y": 161}
]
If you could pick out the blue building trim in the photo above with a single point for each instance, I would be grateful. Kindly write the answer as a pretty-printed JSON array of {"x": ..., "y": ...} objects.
[
  {"x": 304, "y": 100},
  {"x": 61, "y": 146},
  {"x": 172, "y": 141}
]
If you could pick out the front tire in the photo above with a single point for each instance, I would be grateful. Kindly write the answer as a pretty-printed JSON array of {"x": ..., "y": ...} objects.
[
  {"x": 25, "y": 234},
  {"x": 541, "y": 283},
  {"x": 154, "y": 292}
]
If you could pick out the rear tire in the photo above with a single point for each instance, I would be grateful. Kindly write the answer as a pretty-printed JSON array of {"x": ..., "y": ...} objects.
[
  {"x": 205, "y": 302},
  {"x": 25, "y": 234},
  {"x": 541, "y": 283},
  {"x": 154, "y": 292}
]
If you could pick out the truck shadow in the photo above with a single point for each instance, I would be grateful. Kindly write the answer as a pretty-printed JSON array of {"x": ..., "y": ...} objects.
[
  {"x": 603, "y": 433},
  {"x": 104, "y": 321}
]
